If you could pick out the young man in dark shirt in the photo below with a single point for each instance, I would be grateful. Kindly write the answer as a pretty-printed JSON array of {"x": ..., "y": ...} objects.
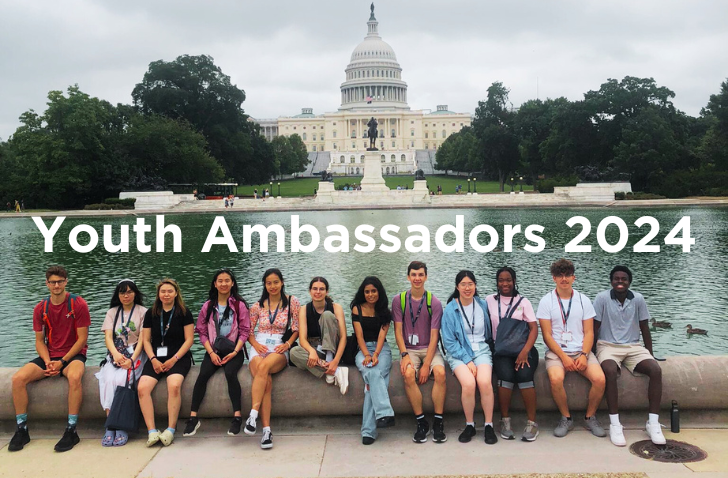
[{"x": 61, "y": 324}]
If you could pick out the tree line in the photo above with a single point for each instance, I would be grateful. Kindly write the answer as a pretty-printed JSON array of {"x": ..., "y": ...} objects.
[
  {"x": 626, "y": 130},
  {"x": 186, "y": 124}
]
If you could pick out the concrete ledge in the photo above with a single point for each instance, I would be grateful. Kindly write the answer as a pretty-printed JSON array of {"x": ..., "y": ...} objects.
[{"x": 695, "y": 382}]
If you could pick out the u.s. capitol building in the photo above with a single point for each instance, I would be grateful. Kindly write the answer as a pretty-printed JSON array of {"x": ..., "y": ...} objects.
[{"x": 408, "y": 139}]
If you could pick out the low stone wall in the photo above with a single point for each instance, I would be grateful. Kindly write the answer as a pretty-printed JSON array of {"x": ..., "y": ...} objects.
[
  {"x": 698, "y": 383},
  {"x": 149, "y": 200}
]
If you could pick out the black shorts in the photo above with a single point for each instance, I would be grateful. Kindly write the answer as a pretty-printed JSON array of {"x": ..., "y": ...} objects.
[
  {"x": 505, "y": 369},
  {"x": 182, "y": 367},
  {"x": 41, "y": 363}
]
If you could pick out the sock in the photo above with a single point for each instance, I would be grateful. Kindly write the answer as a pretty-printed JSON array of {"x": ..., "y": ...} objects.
[
  {"x": 654, "y": 418},
  {"x": 72, "y": 420},
  {"x": 266, "y": 429},
  {"x": 172, "y": 429},
  {"x": 153, "y": 430},
  {"x": 568, "y": 418},
  {"x": 329, "y": 356},
  {"x": 438, "y": 416},
  {"x": 253, "y": 414},
  {"x": 614, "y": 419},
  {"x": 420, "y": 417},
  {"x": 472, "y": 424},
  {"x": 489, "y": 424},
  {"x": 110, "y": 433},
  {"x": 21, "y": 418}
]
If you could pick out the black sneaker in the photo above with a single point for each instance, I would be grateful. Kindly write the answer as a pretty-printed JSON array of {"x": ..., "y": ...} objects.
[
  {"x": 250, "y": 426},
  {"x": 20, "y": 439},
  {"x": 367, "y": 440},
  {"x": 385, "y": 422},
  {"x": 68, "y": 440},
  {"x": 438, "y": 431},
  {"x": 490, "y": 437},
  {"x": 193, "y": 423},
  {"x": 467, "y": 434},
  {"x": 235, "y": 426},
  {"x": 423, "y": 429},
  {"x": 267, "y": 441}
]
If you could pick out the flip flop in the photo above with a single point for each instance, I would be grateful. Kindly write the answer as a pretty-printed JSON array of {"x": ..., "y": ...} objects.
[
  {"x": 108, "y": 440},
  {"x": 121, "y": 439}
]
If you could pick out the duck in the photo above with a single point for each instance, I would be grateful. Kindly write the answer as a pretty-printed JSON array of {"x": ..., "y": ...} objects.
[
  {"x": 691, "y": 330},
  {"x": 662, "y": 324}
]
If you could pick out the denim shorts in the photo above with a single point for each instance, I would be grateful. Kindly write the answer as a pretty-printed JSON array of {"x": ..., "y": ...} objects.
[{"x": 482, "y": 357}]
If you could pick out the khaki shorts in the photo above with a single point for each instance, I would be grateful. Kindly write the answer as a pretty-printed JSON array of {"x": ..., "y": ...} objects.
[
  {"x": 553, "y": 360},
  {"x": 629, "y": 354},
  {"x": 418, "y": 356}
]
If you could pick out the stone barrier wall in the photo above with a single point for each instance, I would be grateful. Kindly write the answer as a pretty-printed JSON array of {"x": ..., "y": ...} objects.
[{"x": 695, "y": 382}]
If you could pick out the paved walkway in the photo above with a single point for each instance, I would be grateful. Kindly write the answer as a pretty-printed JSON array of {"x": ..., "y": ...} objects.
[{"x": 332, "y": 448}]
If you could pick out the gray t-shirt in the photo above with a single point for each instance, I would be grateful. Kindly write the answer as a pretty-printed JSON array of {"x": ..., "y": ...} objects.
[
  {"x": 226, "y": 325},
  {"x": 620, "y": 322},
  {"x": 423, "y": 324}
]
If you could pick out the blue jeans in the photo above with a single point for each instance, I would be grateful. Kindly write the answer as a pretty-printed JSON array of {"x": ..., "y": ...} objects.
[{"x": 376, "y": 398}]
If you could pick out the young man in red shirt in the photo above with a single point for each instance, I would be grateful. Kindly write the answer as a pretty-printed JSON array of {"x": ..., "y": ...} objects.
[{"x": 61, "y": 324}]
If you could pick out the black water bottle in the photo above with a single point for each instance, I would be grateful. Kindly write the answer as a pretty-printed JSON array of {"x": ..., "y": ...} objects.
[{"x": 674, "y": 418}]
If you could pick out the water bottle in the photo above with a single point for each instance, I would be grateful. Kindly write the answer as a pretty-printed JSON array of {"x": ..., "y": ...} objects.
[{"x": 674, "y": 418}]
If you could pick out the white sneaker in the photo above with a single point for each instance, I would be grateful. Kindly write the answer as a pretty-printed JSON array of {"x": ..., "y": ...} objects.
[
  {"x": 342, "y": 379},
  {"x": 616, "y": 434},
  {"x": 655, "y": 433},
  {"x": 250, "y": 426},
  {"x": 330, "y": 379}
]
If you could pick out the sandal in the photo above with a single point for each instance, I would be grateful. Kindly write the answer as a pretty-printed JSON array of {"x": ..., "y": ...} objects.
[
  {"x": 108, "y": 440},
  {"x": 121, "y": 438}
]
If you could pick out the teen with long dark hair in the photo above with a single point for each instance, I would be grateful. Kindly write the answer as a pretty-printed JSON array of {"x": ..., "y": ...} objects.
[
  {"x": 223, "y": 326},
  {"x": 371, "y": 317},
  {"x": 466, "y": 333},
  {"x": 122, "y": 328},
  {"x": 274, "y": 314}
]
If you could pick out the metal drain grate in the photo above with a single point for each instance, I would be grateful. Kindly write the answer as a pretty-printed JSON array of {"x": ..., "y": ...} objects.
[{"x": 672, "y": 452}]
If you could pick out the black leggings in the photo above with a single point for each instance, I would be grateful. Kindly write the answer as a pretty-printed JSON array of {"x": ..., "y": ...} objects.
[
  {"x": 208, "y": 369},
  {"x": 505, "y": 369}
]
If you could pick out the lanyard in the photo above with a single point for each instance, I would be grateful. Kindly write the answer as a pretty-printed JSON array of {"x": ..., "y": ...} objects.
[
  {"x": 472, "y": 326},
  {"x": 128, "y": 320},
  {"x": 162, "y": 329},
  {"x": 414, "y": 318},
  {"x": 564, "y": 315},
  {"x": 272, "y": 317},
  {"x": 509, "y": 314}
]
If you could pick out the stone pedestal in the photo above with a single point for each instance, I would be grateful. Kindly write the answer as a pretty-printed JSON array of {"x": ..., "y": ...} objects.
[
  {"x": 325, "y": 192},
  {"x": 373, "y": 180}
]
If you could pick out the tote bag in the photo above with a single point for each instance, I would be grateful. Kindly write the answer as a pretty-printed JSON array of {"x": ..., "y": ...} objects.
[
  {"x": 511, "y": 336},
  {"x": 124, "y": 412}
]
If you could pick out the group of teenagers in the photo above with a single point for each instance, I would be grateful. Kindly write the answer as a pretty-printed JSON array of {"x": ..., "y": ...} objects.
[{"x": 481, "y": 339}]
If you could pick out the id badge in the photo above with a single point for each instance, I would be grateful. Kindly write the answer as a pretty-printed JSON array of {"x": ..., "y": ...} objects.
[
  {"x": 270, "y": 341},
  {"x": 475, "y": 347},
  {"x": 566, "y": 337},
  {"x": 130, "y": 349},
  {"x": 161, "y": 351},
  {"x": 414, "y": 339}
]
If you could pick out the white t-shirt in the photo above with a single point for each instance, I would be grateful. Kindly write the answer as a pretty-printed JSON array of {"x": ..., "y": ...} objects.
[
  {"x": 581, "y": 310},
  {"x": 475, "y": 317}
]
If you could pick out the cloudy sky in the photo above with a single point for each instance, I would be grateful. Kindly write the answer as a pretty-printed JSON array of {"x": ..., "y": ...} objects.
[{"x": 290, "y": 54}]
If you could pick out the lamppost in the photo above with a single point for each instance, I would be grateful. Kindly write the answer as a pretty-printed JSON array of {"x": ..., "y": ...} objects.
[
  {"x": 279, "y": 189},
  {"x": 520, "y": 179},
  {"x": 511, "y": 184},
  {"x": 270, "y": 191},
  {"x": 468, "y": 185},
  {"x": 475, "y": 187}
]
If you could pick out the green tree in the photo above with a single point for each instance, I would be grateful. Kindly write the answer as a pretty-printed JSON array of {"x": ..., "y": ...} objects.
[
  {"x": 493, "y": 126},
  {"x": 298, "y": 159},
  {"x": 714, "y": 145},
  {"x": 194, "y": 89}
]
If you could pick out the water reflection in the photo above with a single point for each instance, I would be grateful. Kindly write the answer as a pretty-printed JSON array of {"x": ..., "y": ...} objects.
[{"x": 680, "y": 287}]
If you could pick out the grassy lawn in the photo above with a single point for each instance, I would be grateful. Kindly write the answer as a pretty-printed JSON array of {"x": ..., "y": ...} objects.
[{"x": 306, "y": 186}]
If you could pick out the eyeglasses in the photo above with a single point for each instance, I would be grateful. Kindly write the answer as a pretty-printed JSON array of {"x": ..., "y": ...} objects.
[
  {"x": 128, "y": 292},
  {"x": 466, "y": 285},
  {"x": 57, "y": 282},
  {"x": 562, "y": 276}
]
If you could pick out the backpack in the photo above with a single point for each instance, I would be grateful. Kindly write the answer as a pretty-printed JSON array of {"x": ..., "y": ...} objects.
[
  {"x": 47, "y": 329},
  {"x": 219, "y": 322},
  {"x": 428, "y": 298}
]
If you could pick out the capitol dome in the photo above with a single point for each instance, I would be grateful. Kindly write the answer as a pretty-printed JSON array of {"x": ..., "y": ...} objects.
[{"x": 373, "y": 76}]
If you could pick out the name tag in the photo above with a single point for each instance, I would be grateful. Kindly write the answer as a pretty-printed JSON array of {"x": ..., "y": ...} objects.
[
  {"x": 414, "y": 339},
  {"x": 475, "y": 346},
  {"x": 130, "y": 349},
  {"x": 270, "y": 341},
  {"x": 566, "y": 337},
  {"x": 161, "y": 351}
]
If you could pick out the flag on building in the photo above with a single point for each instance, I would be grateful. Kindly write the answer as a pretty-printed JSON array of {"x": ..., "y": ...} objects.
[{"x": 369, "y": 99}]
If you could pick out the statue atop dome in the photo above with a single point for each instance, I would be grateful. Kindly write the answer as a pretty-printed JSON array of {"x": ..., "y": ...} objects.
[{"x": 371, "y": 18}]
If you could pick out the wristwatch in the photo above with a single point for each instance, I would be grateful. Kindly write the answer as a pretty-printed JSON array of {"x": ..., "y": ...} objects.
[
  {"x": 404, "y": 354},
  {"x": 64, "y": 363}
]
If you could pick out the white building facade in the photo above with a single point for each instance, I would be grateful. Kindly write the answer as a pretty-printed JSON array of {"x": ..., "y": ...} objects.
[{"x": 373, "y": 89}]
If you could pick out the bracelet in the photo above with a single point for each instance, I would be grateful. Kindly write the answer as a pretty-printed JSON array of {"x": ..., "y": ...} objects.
[
  {"x": 289, "y": 345},
  {"x": 176, "y": 358},
  {"x": 155, "y": 357},
  {"x": 235, "y": 351}
]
